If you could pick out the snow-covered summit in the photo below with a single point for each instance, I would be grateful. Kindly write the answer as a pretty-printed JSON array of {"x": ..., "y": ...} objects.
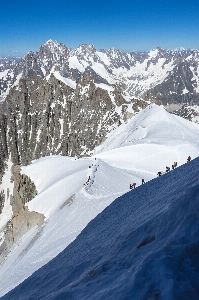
[{"x": 153, "y": 125}]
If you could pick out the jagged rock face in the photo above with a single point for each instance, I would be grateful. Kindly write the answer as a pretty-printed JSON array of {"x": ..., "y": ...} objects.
[
  {"x": 180, "y": 84},
  {"x": 172, "y": 76},
  {"x": 2, "y": 199},
  {"x": 22, "y": 220},
  {"x": 42, "y": 117},
  {"x": 188, "y": 112}
]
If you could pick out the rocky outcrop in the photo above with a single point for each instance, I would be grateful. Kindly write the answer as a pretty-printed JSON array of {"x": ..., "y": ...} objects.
[
  {"x": 22, "y": 220},
  {"x": 189, "y": 112},
  {"x": 150, "y": 97},
  {"x": 171, "y": 75},
  {"x": 42, "y": 117},
  {"x": 2, "y": 200},
  {"x": 45, "y": 116}
]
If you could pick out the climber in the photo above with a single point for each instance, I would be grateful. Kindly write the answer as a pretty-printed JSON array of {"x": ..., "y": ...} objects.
[
  {"x": 167, "y": 169},
  {"x": 188, "y": 158},
  {"x": 89, "y": 178},
  {"x": 175, "y": 164},
  {"x": 143, "y": 181},
  {"x": 160, "y": 173},
  {"x": 132, "y": 185}
]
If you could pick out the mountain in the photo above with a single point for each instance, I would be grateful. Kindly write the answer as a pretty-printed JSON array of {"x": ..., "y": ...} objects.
[
  {"x": 76, "y": 128},
  {"x": 143, "y": 246},
  {"x": 63, "y": 101},
  {"x": 51, "y": 203},
  {"x": 56, "y": 115},
  {"x": 171, "y": 75}
]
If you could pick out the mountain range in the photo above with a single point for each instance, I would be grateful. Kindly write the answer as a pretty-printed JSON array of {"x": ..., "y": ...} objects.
[
  {"x": 77, "y": 127},
  {"x": 169, "y": 75}
]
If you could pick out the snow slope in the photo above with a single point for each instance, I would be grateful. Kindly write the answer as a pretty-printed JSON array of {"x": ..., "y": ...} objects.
[
  {"x": 143, "y": 246},
  {"x": 137, "y": 149}
]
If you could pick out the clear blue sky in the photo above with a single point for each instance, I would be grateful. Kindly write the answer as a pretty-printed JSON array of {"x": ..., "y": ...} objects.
[{"x": 126, "y": 24}]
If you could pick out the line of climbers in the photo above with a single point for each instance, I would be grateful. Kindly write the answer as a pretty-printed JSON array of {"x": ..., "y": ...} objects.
[
  {"x": 160, "y": 173},
  {"x": 133, "y": 185},
  {"x": 173, "y": 167}
]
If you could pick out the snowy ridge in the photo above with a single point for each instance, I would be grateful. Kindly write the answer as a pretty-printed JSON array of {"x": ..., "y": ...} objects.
[
  {"x": 136, "y": 150},
  {"x": 66, "y": 81},
  {"x": 144, "y": 244}
]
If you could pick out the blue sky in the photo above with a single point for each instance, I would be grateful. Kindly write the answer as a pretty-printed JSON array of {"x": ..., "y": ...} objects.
[{"x": 126, "y": 25}]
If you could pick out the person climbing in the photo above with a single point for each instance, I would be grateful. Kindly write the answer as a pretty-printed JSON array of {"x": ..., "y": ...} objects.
[
  {"x": 175, "y": 164},
  {"x": 188, "y": 158},
  {"x": 89, "y": 178},
  {"x": 132, "y": 185},
  {"x": 143, "y": 181},
  {"x": 159, "y": 173},
  {"x": 172, "y": 167},
  {"x": 167, "y": 169}
]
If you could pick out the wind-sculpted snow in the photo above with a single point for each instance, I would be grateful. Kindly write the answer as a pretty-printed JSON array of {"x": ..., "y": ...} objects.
[{"x": 143, "y": 246}]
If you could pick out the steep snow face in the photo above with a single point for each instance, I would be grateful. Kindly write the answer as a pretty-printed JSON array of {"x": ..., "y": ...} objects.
[
  {"x": 153, "y": 126},
  {"x": 136, "y": 150},
  {"x": 143, "y": 246}
]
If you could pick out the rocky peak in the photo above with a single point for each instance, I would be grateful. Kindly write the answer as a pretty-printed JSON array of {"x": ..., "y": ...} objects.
[
  {"x": 85, "y": 50},
  {"x": 54, "y": 46}
]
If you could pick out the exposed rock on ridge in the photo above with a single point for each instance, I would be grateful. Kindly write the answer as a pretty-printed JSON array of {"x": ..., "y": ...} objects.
[
  {"x": 42, "y": 117},
  {"x": 172, "y": 76},
  {"x": 22, "y": 219}
]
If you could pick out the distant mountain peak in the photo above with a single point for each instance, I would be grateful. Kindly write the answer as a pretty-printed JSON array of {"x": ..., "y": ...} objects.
[
  {"x": 86, "y": 49},
  {"x": 51, "y": 42}
]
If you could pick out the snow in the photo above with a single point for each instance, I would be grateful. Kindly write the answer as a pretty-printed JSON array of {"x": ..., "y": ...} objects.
[
  {"x": 126, "y": 97},
  {"x": 65, "y": 80},
  {"x": 137, "y": 149},
  {"x": 103, "y": 57},
  {"x": 185, "y": 91},
  {"x": 74, "y": 63},
  {"x": 101, "y": 71},
  {"x": 105, "y": 87},
  {"x": 66, "y": 173},
  {"x": 143, "y": 246},
  {"x": 4, "y": 73},
  {"x": 43, "y": 71},
  {"x": 152, "y": 126},
  {"x": 153, "y": 53}
]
